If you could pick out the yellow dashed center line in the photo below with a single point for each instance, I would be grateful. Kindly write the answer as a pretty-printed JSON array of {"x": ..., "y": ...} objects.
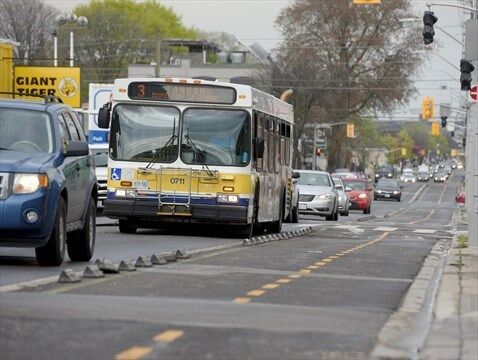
[
  {"x": 134, "y": 353},
  {"x": 255, "y": 293},
  {"x": 308, "y": 270},
  {"x": 168, "y": 336},
  {"x": 270, "y": 286},
  {"x": 283, "y": 281},
  {"x": 242, "y": 300}
]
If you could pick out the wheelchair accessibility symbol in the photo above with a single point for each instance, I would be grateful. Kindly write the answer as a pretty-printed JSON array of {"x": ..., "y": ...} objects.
[{"x": 115, "y": 174}]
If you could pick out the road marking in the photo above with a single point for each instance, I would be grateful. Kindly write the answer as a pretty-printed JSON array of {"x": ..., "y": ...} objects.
[
  {"x": 242, "y": 300},
  {"x": 255, "y": 293},
  {"x": 270, "y": 286},
  {"x": 425, "y": 218},
  {"x": 28, "y": 284},
  {"x": 295, "y": 276},
  {"x": 168, "y": 335},
  {"x": 424, "y": 231},
  {"x": 328, "y": 260},
  {"x": 385, "y": 228},
  {"x": 416, "y": 194},
  {"x": 442, "y": 193},
  {"x": 333, "y": 257},
  {"x": 134, "y": 353},
  {"x": 283, "y": 281},
  {"x": 304, "y": 271},
  {"x": 312, "y": 267},
  {"x": 320, "y": 263}
]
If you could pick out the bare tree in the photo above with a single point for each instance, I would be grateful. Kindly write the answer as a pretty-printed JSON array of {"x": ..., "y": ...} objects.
[
  {"x": 29, "y": 23},
  {"x": 343, "y": 60}
]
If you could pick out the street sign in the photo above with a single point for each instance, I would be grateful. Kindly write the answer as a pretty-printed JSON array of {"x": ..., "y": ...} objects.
[
  {"x": 474, "y": 92},
  {"x": 435, "y": 128}
]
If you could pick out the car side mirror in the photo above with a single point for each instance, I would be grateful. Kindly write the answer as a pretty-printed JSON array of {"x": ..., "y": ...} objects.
[
  {"x": 258, "y": 147},
  {"x": 104, "y": 116},
  {"x": 295, "y": 175},
  {"x": 77, "y": 148},
  {"x": 348, "y": 189}
]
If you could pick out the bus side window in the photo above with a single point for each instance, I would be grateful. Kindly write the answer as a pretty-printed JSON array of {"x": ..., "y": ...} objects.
[
  {"x": 288, "y": 145},
  {"x": 282, "y": 144},
  {"x": 258, "y": 133},
  {"x": 277, "y": 145},
  {"x": 265, "y": 128}
]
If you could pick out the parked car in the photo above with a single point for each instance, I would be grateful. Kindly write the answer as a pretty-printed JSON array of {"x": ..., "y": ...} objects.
[
  {"x": 344, "y": 203},
  {"x": 317, "y": 194},
  {"x": 423, "y": 176},
  {"x": 48, "y": 188},
  {"x": 359, "y": 193},
  {"x": 388, "y": 189},
  {"x": 408, "y": 177},
  {"x": 100, "y": 155}
]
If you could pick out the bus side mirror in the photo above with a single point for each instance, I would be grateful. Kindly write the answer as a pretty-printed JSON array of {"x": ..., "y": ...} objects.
[
  {"x": 104, "y": 116},
  {"x": 258, "y": 147}
]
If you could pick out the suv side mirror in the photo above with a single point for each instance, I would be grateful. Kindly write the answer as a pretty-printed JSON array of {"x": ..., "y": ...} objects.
[
  {"x": 77, "y": 148},
  {"x": 104, "y": 116},
  {"x": 295, "y": 175},
  {"x": 258, "y": 147}
]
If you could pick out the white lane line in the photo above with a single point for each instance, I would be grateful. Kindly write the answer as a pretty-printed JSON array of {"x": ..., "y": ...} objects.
[
  {"x": 346, "y": 227},
  {"x": 28, "y": 284},
  {"x": 442, "y": 193},
  {"x": 417, "y": 193},
  {"x": 424, "y": 231},
  {"x": 385, "y": 228}
]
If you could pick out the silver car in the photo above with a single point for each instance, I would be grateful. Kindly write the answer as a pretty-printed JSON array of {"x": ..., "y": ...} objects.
[
  {"x": 344, "y": 203},
  {"x": 318, "y": 195}
]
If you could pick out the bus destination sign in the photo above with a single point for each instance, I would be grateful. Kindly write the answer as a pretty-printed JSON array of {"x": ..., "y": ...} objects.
[{"x": 193, "y": 93}]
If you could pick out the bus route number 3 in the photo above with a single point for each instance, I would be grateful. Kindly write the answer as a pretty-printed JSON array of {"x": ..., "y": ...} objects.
[{"x": 177, "y": 181}]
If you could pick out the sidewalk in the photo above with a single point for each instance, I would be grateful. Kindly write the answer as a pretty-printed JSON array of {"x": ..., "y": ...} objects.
[{"x": 454, "y": 329}]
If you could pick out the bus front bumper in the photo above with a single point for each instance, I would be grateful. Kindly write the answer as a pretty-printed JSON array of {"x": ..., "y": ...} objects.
[{"x": 144, "y": 210}]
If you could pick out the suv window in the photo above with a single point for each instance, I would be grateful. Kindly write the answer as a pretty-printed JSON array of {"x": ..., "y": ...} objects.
[{"x": 71, "y": 127}]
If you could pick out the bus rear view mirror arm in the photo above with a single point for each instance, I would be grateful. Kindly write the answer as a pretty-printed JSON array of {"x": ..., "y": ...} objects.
[
  {"x": 258, "y": 144},
  {"x": 104, "y": 116}
]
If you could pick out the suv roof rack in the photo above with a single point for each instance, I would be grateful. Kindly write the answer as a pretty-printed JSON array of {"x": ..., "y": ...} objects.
[{"x": 47, "y": 98}]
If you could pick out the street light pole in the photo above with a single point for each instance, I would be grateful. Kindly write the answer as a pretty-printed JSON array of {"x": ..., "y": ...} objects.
[
  {"x": 72, "y": 61},
  {"x": 55, "y": 48}
]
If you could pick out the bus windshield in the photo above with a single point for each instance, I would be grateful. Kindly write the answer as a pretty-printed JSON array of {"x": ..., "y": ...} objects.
[
  {"x": 144, "y": 133},
  {"x": 216, "y": 137}
]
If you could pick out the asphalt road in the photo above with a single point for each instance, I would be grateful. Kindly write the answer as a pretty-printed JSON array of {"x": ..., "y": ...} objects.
[{"x": 322, "y": 295}]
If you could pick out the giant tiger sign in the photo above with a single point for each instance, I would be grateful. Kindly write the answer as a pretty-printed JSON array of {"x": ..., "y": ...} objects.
[{"x": 63, "y": 82}]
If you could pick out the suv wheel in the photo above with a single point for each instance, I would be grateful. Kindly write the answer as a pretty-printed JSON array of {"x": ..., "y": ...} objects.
[
  {"x": 126, "y": 227},
  {"x": 53, "y": 252},
  {"x": 81, "y": 244}
]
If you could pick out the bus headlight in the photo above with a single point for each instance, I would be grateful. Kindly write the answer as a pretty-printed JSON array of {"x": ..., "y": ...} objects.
[
  {"x": 223, "y": 198},
  {"x": 29, "y": 183}
]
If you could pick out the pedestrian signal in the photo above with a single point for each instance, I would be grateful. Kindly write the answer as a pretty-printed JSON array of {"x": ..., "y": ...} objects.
[
  {"x": 350, "y": 130},
  {"x": 443, "y": 121},
  {"x": 428, "y": 107}
]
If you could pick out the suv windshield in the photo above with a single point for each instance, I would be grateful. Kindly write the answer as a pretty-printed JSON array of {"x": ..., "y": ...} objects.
[
  {"x": 384, "y": 169},
  {"x": 313, "y": 179},
  {"x": 144, "y": 133},
  {"x": 216, "y": 137},
  {"x": 29, "y": 131}
]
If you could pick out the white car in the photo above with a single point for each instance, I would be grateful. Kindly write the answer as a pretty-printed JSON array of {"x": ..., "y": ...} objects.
[
  {"x": 344, "y": 203},
  {"x": 408, "y": 177},
  {"x": 318, "y": 195},
  {"x": 100, "y": 155}
]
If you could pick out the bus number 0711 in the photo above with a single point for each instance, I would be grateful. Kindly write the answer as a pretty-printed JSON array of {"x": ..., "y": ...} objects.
[{"x": 176, "y": 181}]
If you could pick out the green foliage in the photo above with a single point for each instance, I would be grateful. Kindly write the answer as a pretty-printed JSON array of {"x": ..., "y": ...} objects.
[
  {"x": 395, "y": 144},
  {"x": 121, "y": 32}
]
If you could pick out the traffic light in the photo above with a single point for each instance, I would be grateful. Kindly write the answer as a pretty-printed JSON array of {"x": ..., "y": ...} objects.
[
  {"x": 350, "y": 130},
  {"x": 443, "y": 121},
  {"x": 435, "y": 128},
  {"x": 429, "y": 19},
  {"x": 428, "y": 107},
  {"x": 466, "y": 69},
  {"x": 318, "y": 151}
]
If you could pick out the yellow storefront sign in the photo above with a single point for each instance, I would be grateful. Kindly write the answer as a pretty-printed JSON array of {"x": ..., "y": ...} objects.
[{"x": 63, "y": 82}]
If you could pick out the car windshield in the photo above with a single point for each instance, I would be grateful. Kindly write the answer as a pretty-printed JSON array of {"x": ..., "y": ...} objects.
[
  {"x": 388, "y": 183},
  {"x": 29, "y": 131},
  {"x": 314, "y": 179},
  {"x": 385, "y": 169},
  {"x": 101, "y": 157},
  {"x": 355, "y": 185},
  {"x": 216, "y": 137},
  {"x": 423, "y": 174},
  {"x": 144, "y": 133}
]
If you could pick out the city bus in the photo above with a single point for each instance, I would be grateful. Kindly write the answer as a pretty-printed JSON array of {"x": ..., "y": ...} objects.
[{"x": 197, "y": 151}]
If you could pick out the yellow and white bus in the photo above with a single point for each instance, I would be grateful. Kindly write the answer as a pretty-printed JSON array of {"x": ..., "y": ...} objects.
[{"x": 189, "y": 150}]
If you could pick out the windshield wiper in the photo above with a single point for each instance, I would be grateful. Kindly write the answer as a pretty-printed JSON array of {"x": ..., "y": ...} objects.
[
  {"x": 197, "y": 154},
  {"x": 170, "y": 141}
]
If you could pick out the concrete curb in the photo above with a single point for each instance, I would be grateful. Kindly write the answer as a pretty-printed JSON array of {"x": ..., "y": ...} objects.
[{"x": 405, "y": 332}]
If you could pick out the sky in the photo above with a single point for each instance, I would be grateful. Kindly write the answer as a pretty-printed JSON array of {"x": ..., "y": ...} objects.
[{"x": 253, "y": 21}]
